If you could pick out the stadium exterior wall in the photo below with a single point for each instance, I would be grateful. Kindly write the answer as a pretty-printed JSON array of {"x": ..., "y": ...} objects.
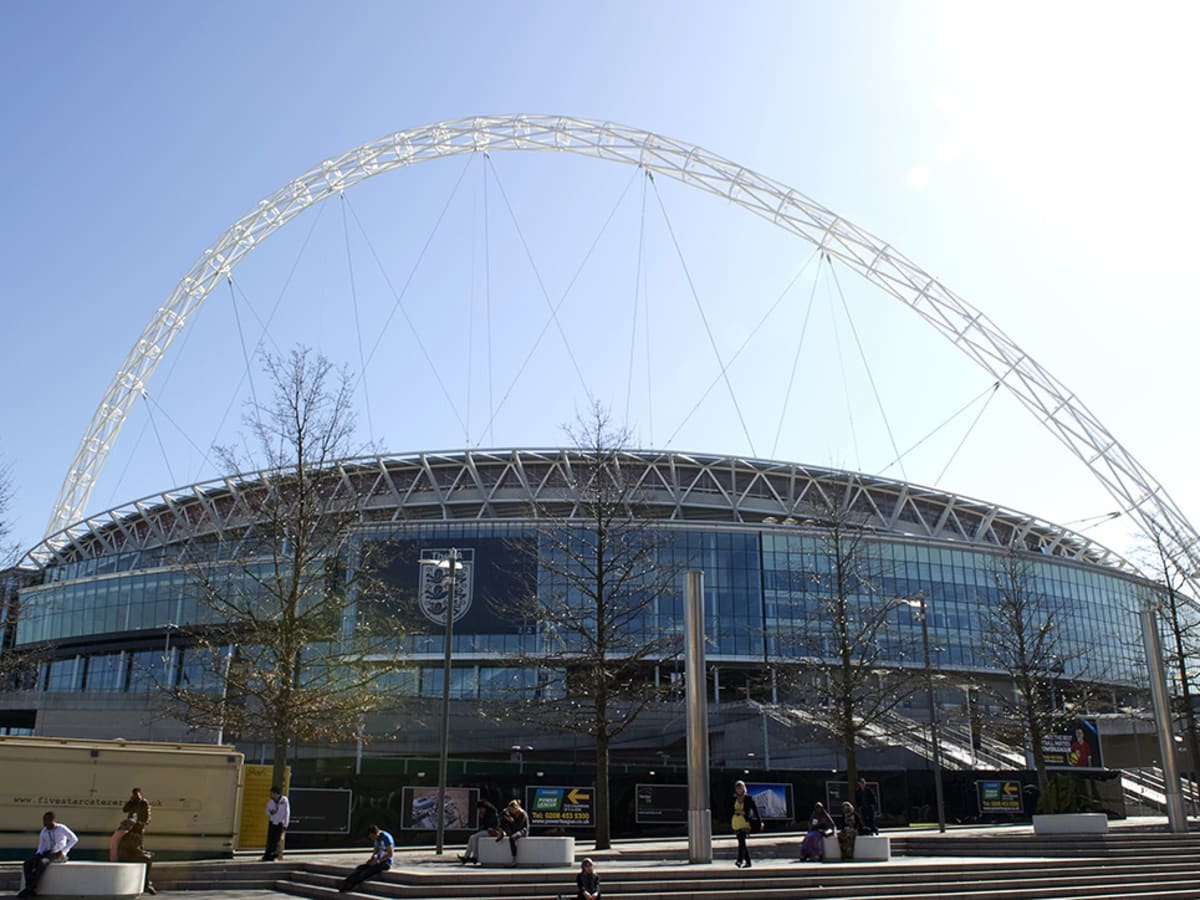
[{"x": 106, "y": 606}]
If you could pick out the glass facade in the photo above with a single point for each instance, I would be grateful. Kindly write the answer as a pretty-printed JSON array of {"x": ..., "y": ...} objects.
[{"x": 765, "y": 593}]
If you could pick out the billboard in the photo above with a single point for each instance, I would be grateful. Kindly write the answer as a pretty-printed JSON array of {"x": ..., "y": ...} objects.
[
  {"x": 559, "y": 807},
  {"x": 1074, "y": 746},
  {"x": 773, "y": 799},
  {"x": 999, "y": 796},
  {"x": 419, "y": 812},
  {"x": 320, "y": 810},
  {"x": 836, "y": 792},
  {"x": 661, "y": 804}
]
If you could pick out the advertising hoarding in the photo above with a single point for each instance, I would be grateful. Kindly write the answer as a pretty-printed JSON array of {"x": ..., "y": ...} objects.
[
  {"x": 559, "y": 807},
  {"x": 419, "y": 812}
]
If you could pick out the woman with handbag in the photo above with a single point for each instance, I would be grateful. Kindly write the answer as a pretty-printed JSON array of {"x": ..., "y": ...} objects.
[{"x": 745, "y": 819}]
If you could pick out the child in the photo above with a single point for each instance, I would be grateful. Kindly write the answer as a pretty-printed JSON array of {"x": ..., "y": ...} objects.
[{"x": 587, "y": 882}]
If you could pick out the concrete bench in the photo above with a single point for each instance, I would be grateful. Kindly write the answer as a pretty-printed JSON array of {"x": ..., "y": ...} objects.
[
  {"x": 531, "y": 851},
  {"x": 866, "y": 847},
  {"x": 1071, "y": 823},
  {"x": 91, "y": 879}
]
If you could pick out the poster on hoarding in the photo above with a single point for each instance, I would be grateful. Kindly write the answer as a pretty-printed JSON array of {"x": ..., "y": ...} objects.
[
  {"x": 419, "y": 812},
  {"x": 320, "y": 810},
  {"x": 774, "y": 800},
  {"x": 1074, "y": 746},
  {"x": 559, "y": 807},
  {"x": 661, "y": 804},
  {"x": 998, "y": 796}
]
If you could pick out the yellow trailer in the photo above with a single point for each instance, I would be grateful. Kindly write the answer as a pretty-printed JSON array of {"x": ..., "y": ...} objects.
[{"x": 195, "y": 793}]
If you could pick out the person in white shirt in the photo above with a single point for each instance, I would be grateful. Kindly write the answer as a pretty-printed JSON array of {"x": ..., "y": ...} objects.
[
  {"x": 279, "y": 815},
  {"x": 54, "y": 843}
]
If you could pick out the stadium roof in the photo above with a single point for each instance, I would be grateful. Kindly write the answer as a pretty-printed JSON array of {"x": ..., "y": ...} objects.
[{"x": 523, "y": 484}]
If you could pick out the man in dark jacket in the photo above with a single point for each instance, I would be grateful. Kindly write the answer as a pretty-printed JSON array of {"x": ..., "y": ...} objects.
[
  {"x": 130, "y": 849},
  {"x": 864, "y": 799}
]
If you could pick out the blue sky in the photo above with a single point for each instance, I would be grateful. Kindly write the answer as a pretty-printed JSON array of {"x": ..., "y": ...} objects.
[{"x": 1039, "y": 159}]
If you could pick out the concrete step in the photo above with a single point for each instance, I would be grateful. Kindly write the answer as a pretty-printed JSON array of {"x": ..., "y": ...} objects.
[
  {"x": 1095, "y": 846},
  {"x": 1167, "y": 891},
  {"x": 980, "y": 881},
  {"x": 1134, "y": 866}
]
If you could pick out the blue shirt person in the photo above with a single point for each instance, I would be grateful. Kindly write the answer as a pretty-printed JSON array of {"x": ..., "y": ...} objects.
[{"x": 379, "y": 862}]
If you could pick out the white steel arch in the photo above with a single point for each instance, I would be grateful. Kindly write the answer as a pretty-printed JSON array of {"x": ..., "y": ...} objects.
[{"x": 1056, "y": 407}]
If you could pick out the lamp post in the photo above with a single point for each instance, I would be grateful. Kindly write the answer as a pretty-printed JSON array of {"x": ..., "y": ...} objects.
[
  {"x": 917, "y": 602},
  {"x": 519, "y": 751},
  {"x": 449, "y": 562},
  {"x": 166, "y": 659}
]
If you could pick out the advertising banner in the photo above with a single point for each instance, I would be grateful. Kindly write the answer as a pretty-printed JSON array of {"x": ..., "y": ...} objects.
[
  {"x": 774, "y": 800},
  {"x": 491, "y": 572},
  {"x": 419, "y": 812},
  {"x": 1075, "y": 746},
  {"x": 661, "y": 804},
  {"x": 999, "y": 796},
  {"x": 255, "y": 794},
  {"x": 838, "y": 791},
  {"x": 320, "y": 810},
  {"x": 559, "y": 807}
]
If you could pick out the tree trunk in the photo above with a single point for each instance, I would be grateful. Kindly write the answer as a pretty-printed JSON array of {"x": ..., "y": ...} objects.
[
  {"x": 279, "y": 760},
  {"x": 600, "y": 800}
]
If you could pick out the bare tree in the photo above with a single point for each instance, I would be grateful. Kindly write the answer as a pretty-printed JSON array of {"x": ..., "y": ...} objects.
[
  {"x": 604, "y": 571},
  {"x": 284, "y": 661},
  {"x": 9, "y": 551},
  {"x": 1020, "y": 637},
  {"x": 17, "y": 667},
  {"x": 854, "y": 630}
]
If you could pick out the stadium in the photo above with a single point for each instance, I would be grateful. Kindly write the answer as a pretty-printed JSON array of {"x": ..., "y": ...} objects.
[
  {"x": 102, "y": 616},
  {"x": 98, "y": 610}
]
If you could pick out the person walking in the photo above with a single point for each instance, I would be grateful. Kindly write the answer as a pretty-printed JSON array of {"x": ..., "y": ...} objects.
[
  {"x": 279, "y": 816},
  {"x": 745, "y": 819},
  {"x": 514, "y": 824},
  {"x": 864, "y": 799},
  {"x": 587, "y": 882},
  {"x": 377, "y": 863},
  {"x": 54, "y": 843},
  {"x": 489, "y": 826},
  {"x": 129, "y": 846}
]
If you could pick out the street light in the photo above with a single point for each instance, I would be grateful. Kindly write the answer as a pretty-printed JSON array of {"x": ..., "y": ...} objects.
[
  {"x": 452, "y": 565},
  {"x": 917, "y": 602},
  {"x": 166, "y": 657},
  {"x": 519, "y": 751}
]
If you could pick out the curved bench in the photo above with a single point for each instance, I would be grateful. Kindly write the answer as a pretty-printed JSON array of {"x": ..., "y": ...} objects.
[
  {"x": 1071, "y": 823},
  {"x": 531, "y": 851},
  {"x": 91, "y": 879},
  {"x": 866, "y": 847}
]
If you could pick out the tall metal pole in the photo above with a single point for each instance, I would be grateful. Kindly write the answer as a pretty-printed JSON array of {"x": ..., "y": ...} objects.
[
  {"x": 933, "y": 721},
  {"x": 167, "y": 668},
  {"x": 699, "y": 815},
  {"x": 444, "y": 760},
  {"x": 1176, "y": 815}
]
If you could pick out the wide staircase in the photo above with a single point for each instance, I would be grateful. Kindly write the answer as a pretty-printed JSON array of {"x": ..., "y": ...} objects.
[
  {"x": 1144, "y": 788},
  {"x": 1136, "y": 866}
]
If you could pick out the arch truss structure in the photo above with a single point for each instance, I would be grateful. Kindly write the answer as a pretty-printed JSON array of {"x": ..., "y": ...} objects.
[
  {"x": 967, "y": 328},
  {"x": 528, "y": 484}
]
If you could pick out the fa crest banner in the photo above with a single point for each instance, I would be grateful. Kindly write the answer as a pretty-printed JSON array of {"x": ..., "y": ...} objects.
[{"x": 435, "y": 582}]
